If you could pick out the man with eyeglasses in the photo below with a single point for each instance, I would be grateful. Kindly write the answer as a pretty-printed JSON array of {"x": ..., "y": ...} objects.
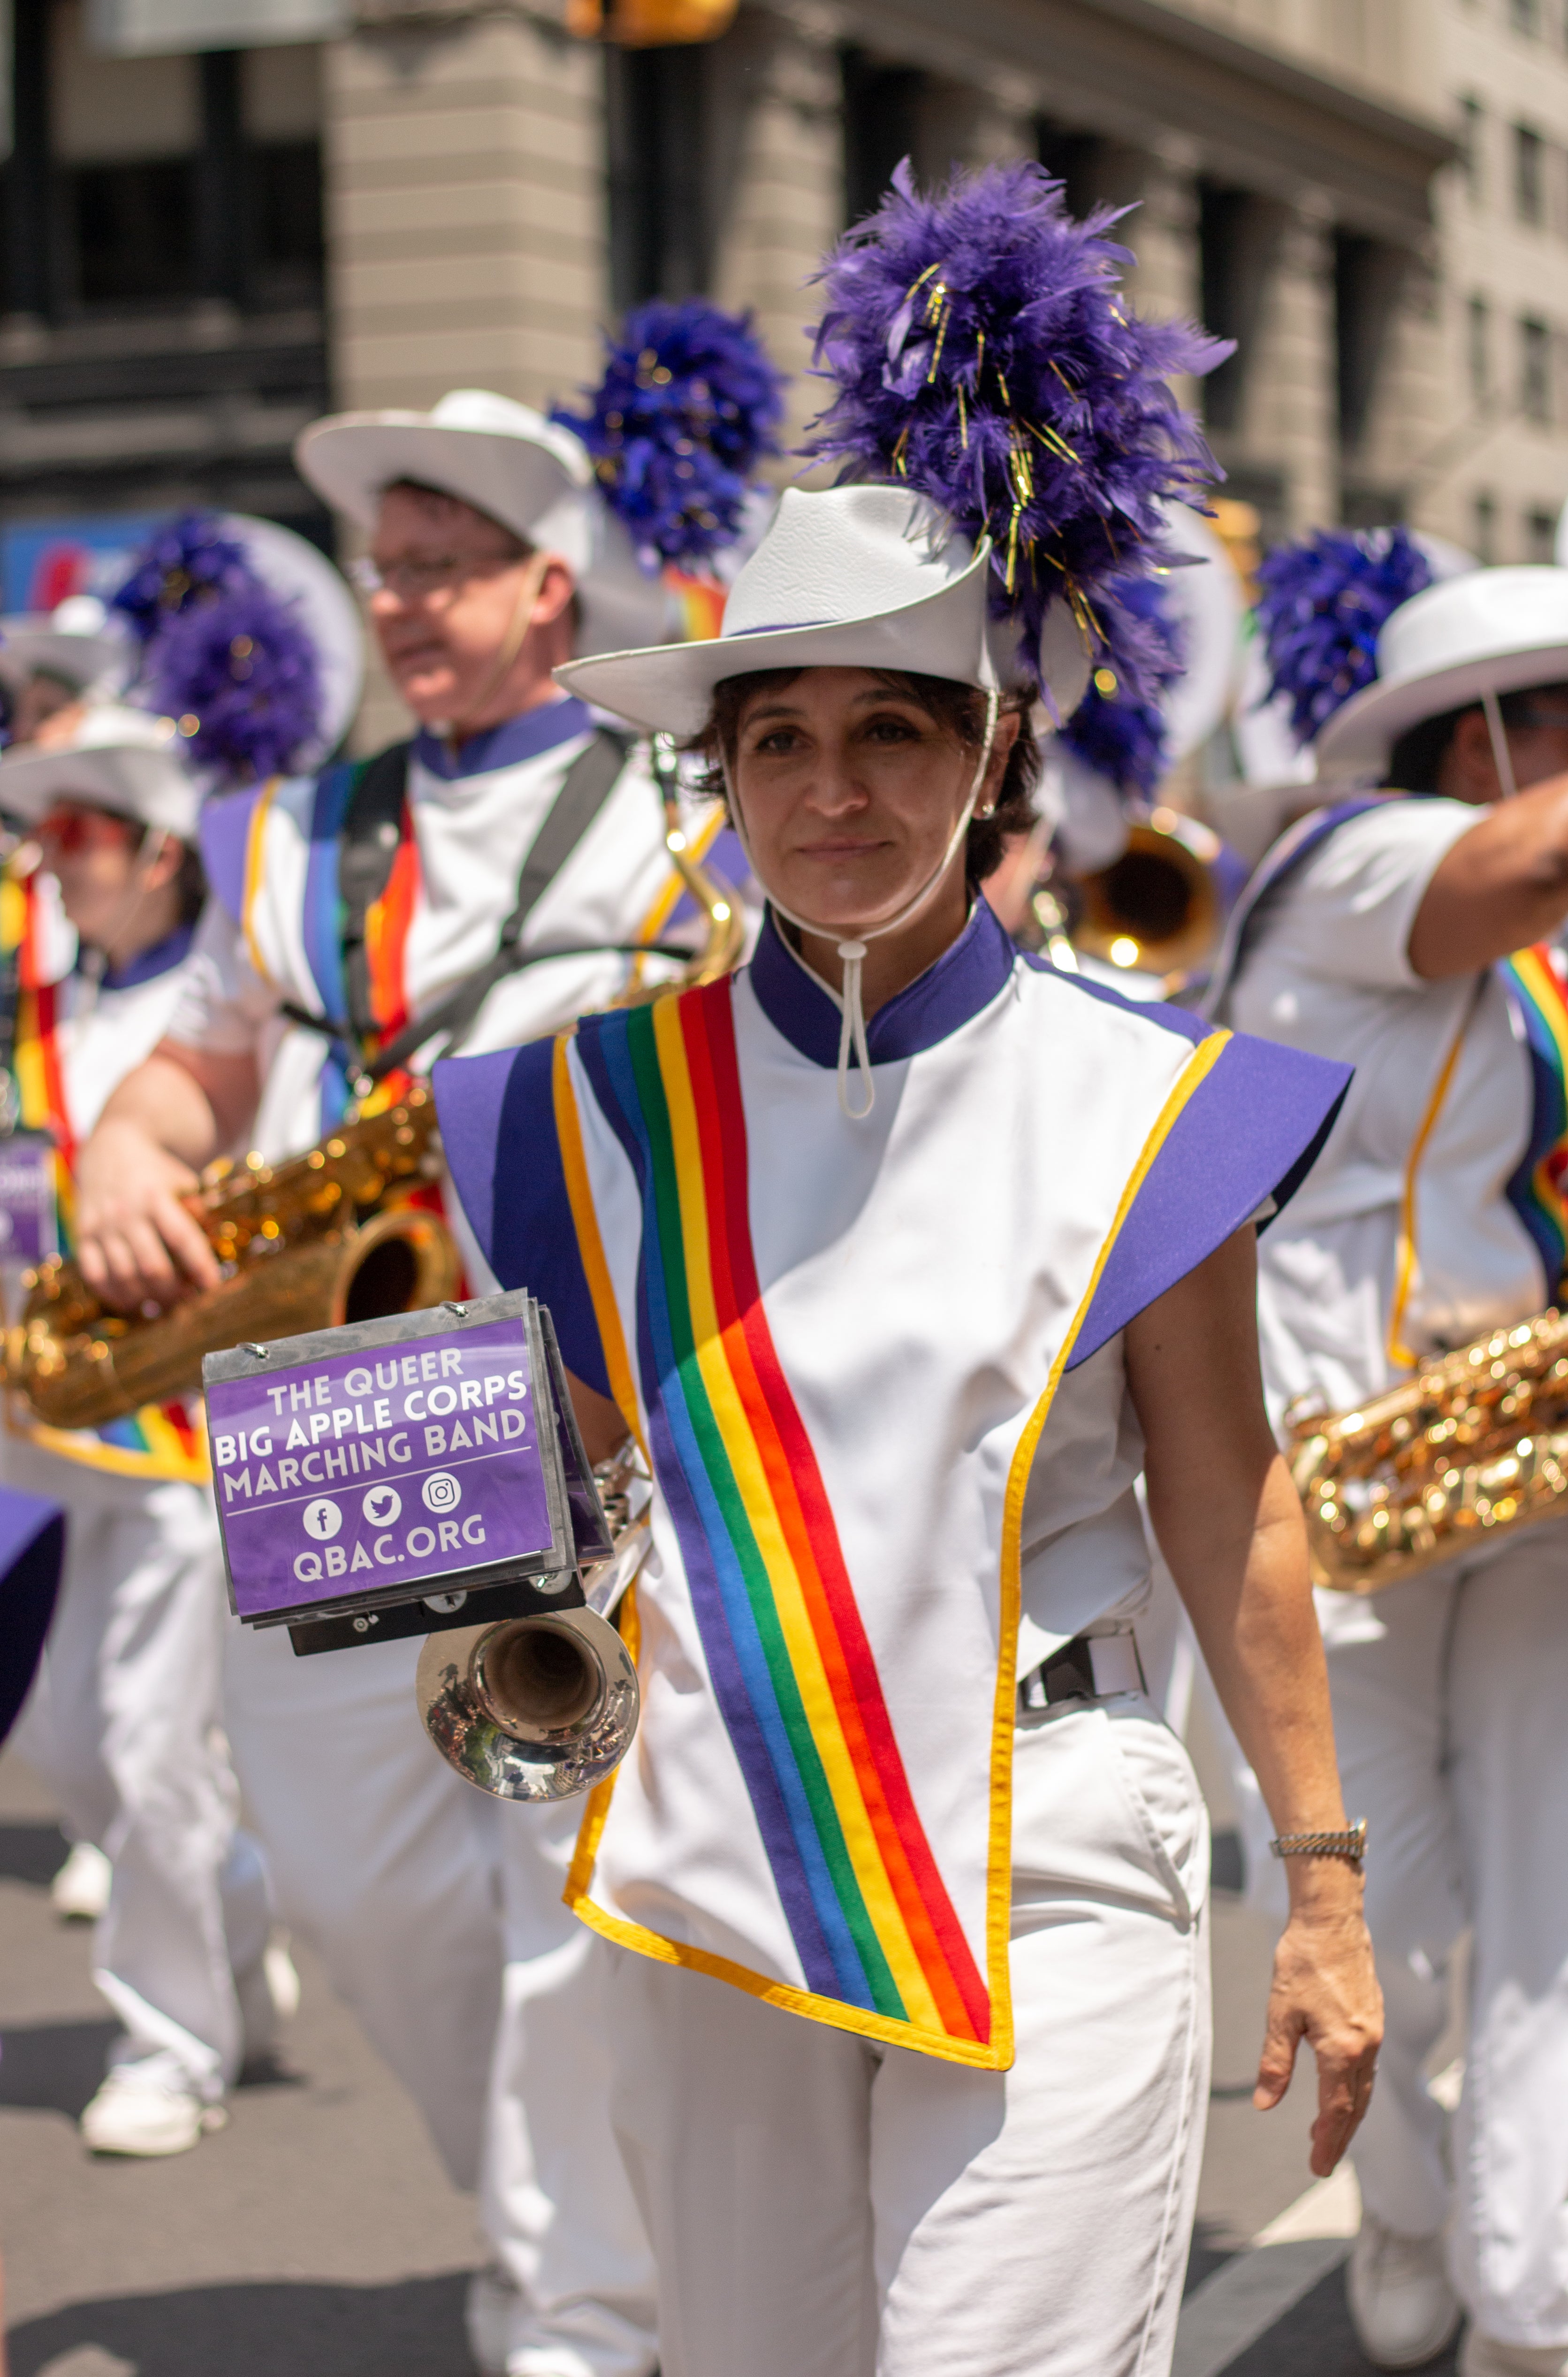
[
  {"x": 480, "y": 886},
  {"x": 1416, "y": 932}
]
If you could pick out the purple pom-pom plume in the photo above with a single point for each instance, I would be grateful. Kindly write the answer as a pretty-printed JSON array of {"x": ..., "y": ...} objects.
[
  {"x": 982, "y": 351},
  {"x": 240, "y": 673},
  {"x": 688, "y": 406},
  {"x": 1118, "y": 732},
  {"x": 1321, "y": 607},
  {"x": 188, "y": 560}
]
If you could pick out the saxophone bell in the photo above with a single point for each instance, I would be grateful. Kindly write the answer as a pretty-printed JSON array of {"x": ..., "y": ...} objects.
[{"x": 531, "y": 1708}]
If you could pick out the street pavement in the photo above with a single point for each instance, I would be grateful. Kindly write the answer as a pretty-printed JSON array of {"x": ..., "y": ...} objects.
[{"x": 316, "y": 2235}]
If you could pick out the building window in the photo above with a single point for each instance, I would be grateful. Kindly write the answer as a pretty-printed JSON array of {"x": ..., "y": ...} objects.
[
  {"x": 1478, "y": 347},
  {"x": 882, "y": 125},
  {"x": 1484, "y": 513},
  {"x": 1534, "y": 371},
  {"x": 1540, "y": 534},
  {"x": 1471, "y": 114},
  {"x": 1529, "y": 174}
]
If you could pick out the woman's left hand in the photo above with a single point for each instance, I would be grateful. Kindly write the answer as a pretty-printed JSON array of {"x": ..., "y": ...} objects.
[{"x": 1325, "y": 1991}]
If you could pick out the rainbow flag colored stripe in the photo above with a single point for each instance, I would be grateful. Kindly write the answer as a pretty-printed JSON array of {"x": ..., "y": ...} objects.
[
  {"x": 1536, "y": 1192},
  {"x": 386, "y": 936},
  {"x": 791, "y": 1666}
]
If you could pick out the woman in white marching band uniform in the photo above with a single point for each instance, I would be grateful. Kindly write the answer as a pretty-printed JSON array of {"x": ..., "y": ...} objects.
[
  {"x": 1394, "y": 930},
  {"x": 894, "y": 1250}
]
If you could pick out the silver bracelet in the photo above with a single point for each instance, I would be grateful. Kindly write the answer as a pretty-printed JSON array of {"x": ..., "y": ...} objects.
[{"x": 1351, "y": 1846}]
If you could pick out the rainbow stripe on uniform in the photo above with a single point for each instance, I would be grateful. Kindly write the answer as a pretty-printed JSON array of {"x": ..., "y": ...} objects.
[
  {"x": 1536, "y": 993},
  {"x": 791, "y": 1668}
]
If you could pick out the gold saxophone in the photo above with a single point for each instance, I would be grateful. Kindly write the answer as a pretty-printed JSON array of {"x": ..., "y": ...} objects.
[
  {"x": 1473, "y": 1447},
  {"x": 323, "y": 1239}
]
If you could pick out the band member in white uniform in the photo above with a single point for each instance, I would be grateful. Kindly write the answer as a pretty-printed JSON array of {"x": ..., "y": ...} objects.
[
  {"x": 510, "y": 823},
  {"x": 124, "y": 1723},
  {"x": 1396, "y": 932},
  {"x": 903, "y": 1877}
]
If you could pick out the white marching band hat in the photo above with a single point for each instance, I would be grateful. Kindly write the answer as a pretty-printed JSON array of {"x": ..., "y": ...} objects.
[
  {"x": 508, "y": 461},
  {"x": 117, "y": 759},
  {"x": 76, "y": 642},
  {"x": 1488, "y": 631},
  {"x": 856, "y": 576}
]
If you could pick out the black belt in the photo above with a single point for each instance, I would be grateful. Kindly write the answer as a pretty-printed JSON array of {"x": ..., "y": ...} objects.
[{"x": 1069, "y": 1674}]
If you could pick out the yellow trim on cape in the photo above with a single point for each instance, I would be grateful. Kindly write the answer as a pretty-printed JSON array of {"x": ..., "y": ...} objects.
[
  {"x": 87, "y": 1450},
  {"x": 996, "y": 2054},
  {"x": 579, "y": 1196},
  {"x": 255, "y": 868}
]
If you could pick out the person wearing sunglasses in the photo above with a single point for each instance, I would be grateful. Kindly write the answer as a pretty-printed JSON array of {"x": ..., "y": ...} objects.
[
  {"x": 126, "y": 1722},
  {"x": 1416, "y": 930}
]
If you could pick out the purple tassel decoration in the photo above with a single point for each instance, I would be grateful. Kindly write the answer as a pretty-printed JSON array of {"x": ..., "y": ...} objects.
[
  {"x": 186, "y": 561},
  {"x": 1121, "y": 735},
  {"x": 980, "y": 349},
  {"x": 1321, "y": 607},
  {"x": 240, "y": 675},
  {"x": 688, "y": 406}
]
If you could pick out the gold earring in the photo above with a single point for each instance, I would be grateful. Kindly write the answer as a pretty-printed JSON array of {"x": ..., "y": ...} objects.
[{"x": 990, "y": 810}]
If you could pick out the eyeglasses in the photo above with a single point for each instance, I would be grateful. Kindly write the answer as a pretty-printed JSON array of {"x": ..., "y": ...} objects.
[
  {"x": 420, "y": 581},
  {"x": 69, "y": 831},
  {"x": 1555, "y": 720}
]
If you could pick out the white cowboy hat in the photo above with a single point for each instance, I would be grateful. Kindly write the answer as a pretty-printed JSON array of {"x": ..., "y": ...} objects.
[
  {"x": 1486, "y": 631},
  {"x": 512, "y": 464},
  {"x": 846, "y": 577},
  {"x": 118, "y": 758},
  {"x": 77, "y": 642}
]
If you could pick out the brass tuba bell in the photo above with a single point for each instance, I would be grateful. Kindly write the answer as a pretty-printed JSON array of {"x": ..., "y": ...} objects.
[{"x": 1157, "y": 908}]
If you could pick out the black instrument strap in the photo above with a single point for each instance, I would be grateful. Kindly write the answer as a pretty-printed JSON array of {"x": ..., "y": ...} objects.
[{"x": 365, "y": 863}]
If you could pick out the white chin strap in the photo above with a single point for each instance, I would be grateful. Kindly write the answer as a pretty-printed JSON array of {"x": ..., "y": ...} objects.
[
  {"x": 1503, "y": 758},
  {"x": 852, "y": 954}
]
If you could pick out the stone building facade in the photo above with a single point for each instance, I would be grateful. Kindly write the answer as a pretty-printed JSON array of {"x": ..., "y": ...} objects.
[{"x": 202, "y": 248}]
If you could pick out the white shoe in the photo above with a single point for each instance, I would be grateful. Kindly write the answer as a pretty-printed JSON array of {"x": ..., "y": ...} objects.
[
  {"x": 1483, "y": 2356},
  {"x": 1402, "y": 2307},
  {"x": 144, "y": 2108},
  {"x": 269, "y": 1992},
  {"x": 79, "y": 1892},
  {"x": 490, "y": 2307}
]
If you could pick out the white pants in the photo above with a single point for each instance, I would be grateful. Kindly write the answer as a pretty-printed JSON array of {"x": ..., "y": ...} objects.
[
  {"x": 436, "y": 1910},
  {"x": 1449, "y": 1713},
  {"x": 124, "y": 1724},
  {"x": 822, "y": 2206}
]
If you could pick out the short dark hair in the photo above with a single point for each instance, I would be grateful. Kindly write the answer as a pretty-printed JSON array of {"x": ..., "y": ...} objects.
[
  {"x": 959, "y": 710},
  {"x": 522, "y": 549},
  {"x": 1416, "y": 760}
]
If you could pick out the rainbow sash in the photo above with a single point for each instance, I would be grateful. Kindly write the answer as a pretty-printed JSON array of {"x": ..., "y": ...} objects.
[
  {"x": 1539, "y": 999},
  {"x": 792, "y": 1670}
]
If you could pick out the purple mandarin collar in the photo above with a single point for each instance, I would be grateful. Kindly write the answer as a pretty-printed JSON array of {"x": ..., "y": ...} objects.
[
  {"x": 147, "y": 964},
  {"x": 966, "y": 977},
  {"x": 527, "y": 737}
]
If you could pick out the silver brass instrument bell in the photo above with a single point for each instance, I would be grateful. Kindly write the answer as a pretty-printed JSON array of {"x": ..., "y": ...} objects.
[{"x": 531, "y": 1708}]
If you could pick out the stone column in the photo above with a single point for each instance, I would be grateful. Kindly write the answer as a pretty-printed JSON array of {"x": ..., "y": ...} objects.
[
  {"x": 465, "y": 192},
  {"x": 1290, "y": 415},
  {"x": 777, "y": 189}
]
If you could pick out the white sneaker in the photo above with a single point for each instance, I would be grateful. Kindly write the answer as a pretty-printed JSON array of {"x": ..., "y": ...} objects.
[
  {"x": 489, "y": 2308},
  {"x": 1402, "y": 2307},
  {"x": 269, "y": 1992},
  {"x": 79, "y": 1892},
  {"x": 144, "y": 2108},
  {"x": 1483, "y": 2356}
]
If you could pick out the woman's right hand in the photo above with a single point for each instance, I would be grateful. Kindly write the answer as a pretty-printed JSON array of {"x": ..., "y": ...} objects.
[{"x": 136, "y": 1241}]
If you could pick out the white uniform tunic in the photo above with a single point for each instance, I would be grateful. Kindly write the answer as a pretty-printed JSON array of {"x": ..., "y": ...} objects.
[
  {"x": 416, "y": 1888},
  {"x": 840, "y": 1342},
  {"x": 1446, "y": 1689},
  {"x": 125, "y": 1721}
]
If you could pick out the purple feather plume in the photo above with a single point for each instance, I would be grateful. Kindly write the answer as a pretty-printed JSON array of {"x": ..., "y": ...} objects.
[
  {"x": 1321, "y": 607},
  {"x": 1121, "y": 733},
  {"x": 240, "y": 673},
  {"x": 981, "y": 352},
  {"x": 186, "y": 561},
  {"x": 688, "y": 406}
]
